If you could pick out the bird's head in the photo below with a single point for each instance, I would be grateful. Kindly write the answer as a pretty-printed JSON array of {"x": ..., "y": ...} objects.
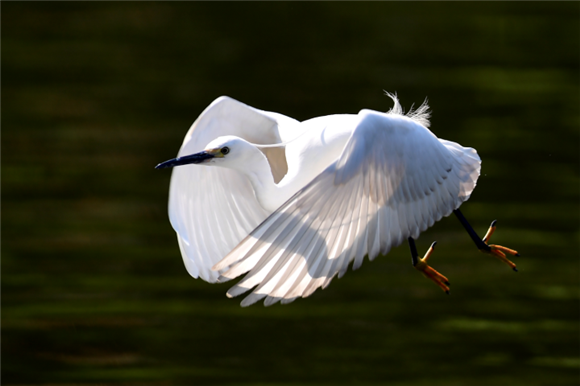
[{"x": 228, "y": 151}]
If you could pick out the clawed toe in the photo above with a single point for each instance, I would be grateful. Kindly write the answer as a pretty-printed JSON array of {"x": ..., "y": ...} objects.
[
  {"x": 430, "y": 273},
  {"x": 497, "y": 250}
]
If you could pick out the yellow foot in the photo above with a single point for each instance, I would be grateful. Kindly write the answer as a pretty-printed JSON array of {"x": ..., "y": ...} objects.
[
  {"x": 430, "y": 273},
  {"x": 497, "y": 250}
]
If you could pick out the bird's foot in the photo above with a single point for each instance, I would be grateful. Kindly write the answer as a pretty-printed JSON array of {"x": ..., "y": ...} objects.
[
  {"x": 430, "y": 273},
  {"x": 497, "y": 250}
]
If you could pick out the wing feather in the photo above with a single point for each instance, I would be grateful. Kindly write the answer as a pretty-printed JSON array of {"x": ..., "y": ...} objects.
[{"x": 350, "y": 244}]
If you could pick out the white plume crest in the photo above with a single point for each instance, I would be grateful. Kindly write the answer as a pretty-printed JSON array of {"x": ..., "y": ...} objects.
[{"x": 421, "y": 115}]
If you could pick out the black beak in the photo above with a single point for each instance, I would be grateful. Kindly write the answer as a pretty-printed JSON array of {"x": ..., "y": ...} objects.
[{"x": 186, "y": 160}]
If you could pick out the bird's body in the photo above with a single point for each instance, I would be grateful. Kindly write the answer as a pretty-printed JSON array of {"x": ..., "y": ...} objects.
[
  {"x": 295, "y": 203},
  {"x": 306, "y": 157}
]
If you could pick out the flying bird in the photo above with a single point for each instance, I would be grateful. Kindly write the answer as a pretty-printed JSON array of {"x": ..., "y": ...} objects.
[{"x": 292, "y": 204}]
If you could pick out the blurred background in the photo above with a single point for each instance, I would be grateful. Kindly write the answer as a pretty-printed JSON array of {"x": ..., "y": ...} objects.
[{"x": 94, "y": 290}]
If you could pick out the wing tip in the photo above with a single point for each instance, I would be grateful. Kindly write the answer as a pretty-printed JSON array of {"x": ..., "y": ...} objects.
[{"x": 252, "y": 298}]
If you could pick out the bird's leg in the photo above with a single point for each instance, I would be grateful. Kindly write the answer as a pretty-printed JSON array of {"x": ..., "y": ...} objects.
[
  {"x": 421, "y": 265},
  {"x": 482, "y": 244}
]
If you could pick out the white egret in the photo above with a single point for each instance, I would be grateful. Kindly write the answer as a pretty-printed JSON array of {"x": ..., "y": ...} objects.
[{"x": 294, "y": 203}]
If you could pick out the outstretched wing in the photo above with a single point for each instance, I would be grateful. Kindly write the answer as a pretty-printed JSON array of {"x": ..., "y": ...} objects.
[
  {"x": 393, "y": 180},
  {"x": 211, "y": 209}
]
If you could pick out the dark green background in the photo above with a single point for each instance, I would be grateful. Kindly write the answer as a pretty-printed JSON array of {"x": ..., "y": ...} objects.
[{"x": 94, "y": 95}]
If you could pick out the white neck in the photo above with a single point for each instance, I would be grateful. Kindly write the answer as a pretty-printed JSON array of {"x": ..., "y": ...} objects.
[{"x": 269, "y": 194}]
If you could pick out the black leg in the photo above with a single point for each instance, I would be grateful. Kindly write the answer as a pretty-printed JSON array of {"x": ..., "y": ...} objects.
[
  {"x": 414, "y": 254},
  {"x": 476, "y": 239}
]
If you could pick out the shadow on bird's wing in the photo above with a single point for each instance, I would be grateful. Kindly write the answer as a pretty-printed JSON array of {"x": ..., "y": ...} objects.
[{"x": 296, "y": 254}]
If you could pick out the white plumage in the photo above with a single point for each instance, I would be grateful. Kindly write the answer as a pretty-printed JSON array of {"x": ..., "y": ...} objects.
[{"x": 332, "y": 190}]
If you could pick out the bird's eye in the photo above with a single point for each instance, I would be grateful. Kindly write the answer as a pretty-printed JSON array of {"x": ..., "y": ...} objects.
[{"x": 225, "y": 150}]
